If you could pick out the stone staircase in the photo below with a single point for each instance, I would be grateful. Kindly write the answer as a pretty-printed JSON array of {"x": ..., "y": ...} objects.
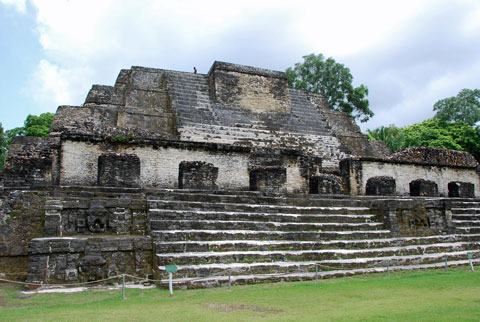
[
  {"x": 276, "y": 238},
  {"x": 466, "y": 217}
]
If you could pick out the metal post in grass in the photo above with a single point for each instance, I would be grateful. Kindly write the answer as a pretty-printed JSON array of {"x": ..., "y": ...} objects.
[
  {"x": 316, "y": 273},
  {"x": 388, "y": 268},
  {"x": 229, "y": 281},
  {"x": 470, "y": 260},
  {"x": 446, "y": 263},
  {"x": 123, "y": 286},
  {"x": 170, "y": 283},
  {"x": 170, "y": 269}
]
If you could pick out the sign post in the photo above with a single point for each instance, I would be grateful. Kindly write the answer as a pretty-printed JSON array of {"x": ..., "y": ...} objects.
[
  {"x": 170, "y": 270},
  {"x": 470, "y": 260}
]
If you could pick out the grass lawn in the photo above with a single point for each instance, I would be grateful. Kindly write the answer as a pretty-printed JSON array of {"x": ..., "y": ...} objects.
[{"x": 432, "y": 295}]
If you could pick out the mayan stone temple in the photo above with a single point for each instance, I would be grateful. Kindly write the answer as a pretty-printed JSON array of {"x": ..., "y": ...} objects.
[{"x": 230, "y": 171}]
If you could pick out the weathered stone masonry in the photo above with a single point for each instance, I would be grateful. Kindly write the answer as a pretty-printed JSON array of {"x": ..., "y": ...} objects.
[{"x": 268, "y": 179}]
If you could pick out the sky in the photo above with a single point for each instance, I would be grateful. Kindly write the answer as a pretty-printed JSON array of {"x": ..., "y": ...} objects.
[{"x": 410, "y": 54}]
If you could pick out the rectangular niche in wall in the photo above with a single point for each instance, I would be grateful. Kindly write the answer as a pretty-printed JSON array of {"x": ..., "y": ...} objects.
[
  {"x": 271, "y": 179},
  {"x": 197, "y": 175},
  {"x": 118, "y": 170},
  {"x": 325, "y": 184},
  {"x": 461, "y": 189}
]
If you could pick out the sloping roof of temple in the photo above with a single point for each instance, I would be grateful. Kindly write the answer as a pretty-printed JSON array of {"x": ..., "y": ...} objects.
[{"x": 231, "y": 105}]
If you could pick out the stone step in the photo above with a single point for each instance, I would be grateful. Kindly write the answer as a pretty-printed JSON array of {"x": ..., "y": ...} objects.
[
  {"x": 198, "y": 126},
  {"x": 168, "y": 214},
  {"x": 466, "y": 223},
  {"x": 298, "y": 274},
  {"x": 204, "y": 270},
  {"x": 259, "y": 225},
  {"x": 466, "y": 217},
  {"x": 247, "y": 245},
  {"x": 467, "y": 230},
  {"x": 473, "y": 210},
  {"x": 208, "y": 235},
  {"x": 199, "y": 258},
  {"x": 252, "y": 197},
  {"x": 261, "y": 208}
]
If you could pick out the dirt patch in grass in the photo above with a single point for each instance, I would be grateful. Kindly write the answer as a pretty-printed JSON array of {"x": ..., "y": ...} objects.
[{"x": 217, "y": 307}]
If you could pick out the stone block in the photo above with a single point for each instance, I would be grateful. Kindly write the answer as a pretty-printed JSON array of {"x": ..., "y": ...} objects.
[
  {"x": 118, "y": 170},
  {"x": 52, "y": 227},
  {"x": 380, "y": 186},
  {"x": 71, "y": 274},
  {"x": 38, "y": 246},
  {"x": 269, "y": 179},
  {"x": 423, "y": 187},
  {"x": 97, "y": 217},
  {"x": 325, "y": 184},
  {"x": 250, "y": 88},
  {"x": 197, "y": 175},
  {"x": 100, "y": 94},
  {"x": 458, "y": 189},
  {"x": 77, "y": 245},
  {"x": 29, "y": 162}
]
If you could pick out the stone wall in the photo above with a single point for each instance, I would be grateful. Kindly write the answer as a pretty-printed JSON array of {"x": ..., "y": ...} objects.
[
  {"x": 252, "y": 88},
  {"x": 410, "y": 217},
  {"x": 159, "y": 165},
  {"x": 118, "y": 170},
  {"x": 435, "y": 156},
  {"x": 356, "y": 174},
  {"x": 348, "y": 133},
  {"x": 32, "y": 162},
  {"x": 82, "y": 259},
  {"x": 88, "y": 214},
  {"x": 233, "y": 105},
  {"x": 197, "y": 175},
  {"x": 22, "y": 216}
]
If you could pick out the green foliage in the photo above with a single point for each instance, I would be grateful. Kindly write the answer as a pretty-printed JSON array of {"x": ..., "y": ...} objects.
[
  {"x": 3, "y": 147},
  {"x": 434, "y": 133},
  {"x": 33, "y": 126},
  {"x": 120, "y": 139},
  {"x": 334, "y": 81},
  {"x": 391, "y": 135},
  {"x": 10, "y": 134},
  {"x": 38, "y": 125},
  {"x": 465, "y": 107}
]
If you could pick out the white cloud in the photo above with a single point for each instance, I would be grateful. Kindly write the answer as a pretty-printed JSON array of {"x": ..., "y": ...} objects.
[
  {"x": 410, "y": 53},
  {"x": 52, "y": 85},
  {"x": 19, "y": 5}
]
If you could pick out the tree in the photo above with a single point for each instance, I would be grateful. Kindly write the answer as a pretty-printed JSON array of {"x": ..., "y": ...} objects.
[
  {"x": 32, "y": 126},
  {"x": 391, "y": 135},
  {"x": 465, "y": 107},
  {"x": 434, "y": 133},
  {"x": 334, "y": 81},
  {"x": 430, "y": 133}
]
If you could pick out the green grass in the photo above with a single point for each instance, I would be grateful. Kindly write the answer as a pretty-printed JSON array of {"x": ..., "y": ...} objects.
[{"x": 404, "y": 296}]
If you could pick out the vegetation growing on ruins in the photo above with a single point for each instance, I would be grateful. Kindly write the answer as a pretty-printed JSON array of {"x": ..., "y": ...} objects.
[
  {"x": 334, "y": 81},
  {"x": 453, "y": 127},
  {"x": 445, "y": 296},
  {"x": 33, "y": 126},
  {"x": 434, "y": 133}
]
